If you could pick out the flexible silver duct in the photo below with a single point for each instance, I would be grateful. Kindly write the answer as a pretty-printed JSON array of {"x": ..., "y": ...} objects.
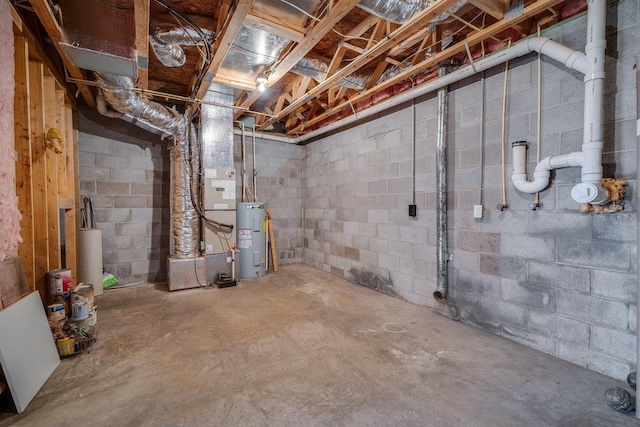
[
  {"x": 166, "y": 44},
  {"x": 442, "y": 256},
  {"x": 353, "y": 82},
  {"x": 400, "y": 11},
  {"x": 313, "y": 68},
  {"x": 185, "y": 223}
]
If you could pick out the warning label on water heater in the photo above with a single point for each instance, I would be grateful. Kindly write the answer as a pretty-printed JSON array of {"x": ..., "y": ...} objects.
[{"x": 244, "y": 238}]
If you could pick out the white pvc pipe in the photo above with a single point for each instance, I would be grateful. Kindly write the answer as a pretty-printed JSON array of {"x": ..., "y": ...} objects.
[
  {"x": 546, "y": 46},
  {"x": 591, "y": 64}
]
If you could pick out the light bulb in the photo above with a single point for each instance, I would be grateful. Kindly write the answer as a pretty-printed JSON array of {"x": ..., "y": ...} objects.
[{"x": 261, "y": 87}]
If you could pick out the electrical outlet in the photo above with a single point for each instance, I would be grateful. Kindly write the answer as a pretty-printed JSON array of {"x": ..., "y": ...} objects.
[
  {"x": 413, "y": 211},
  {"x": 477, "y": 211}
]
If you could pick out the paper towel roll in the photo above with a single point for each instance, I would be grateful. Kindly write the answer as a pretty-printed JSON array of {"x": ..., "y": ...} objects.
[{"x": 90, "y": 258}]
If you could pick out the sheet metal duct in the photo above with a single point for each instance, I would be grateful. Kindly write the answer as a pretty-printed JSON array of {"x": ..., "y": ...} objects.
[
  {"x": 253, "y": 51},
  {"x": 166, "y": 44},
  {"x": 216, "y": 128}
]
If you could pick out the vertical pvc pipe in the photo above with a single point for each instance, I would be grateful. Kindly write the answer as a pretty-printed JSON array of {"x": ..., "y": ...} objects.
[
  {"x": 441, "y": 185},
  {"x": 638, "y": 195},
  {"x": 594, "y": 93}
]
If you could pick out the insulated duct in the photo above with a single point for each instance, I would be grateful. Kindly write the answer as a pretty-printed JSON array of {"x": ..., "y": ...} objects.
[
  {"x": 442, "y": 257},
  {"x": 400, "y": 11},
  {"x": 166, "y": 44},
  {"x": 185, "y": 221},
  {"x": 149, "y": 115},
  {"x": 317, "y": 69},
  {"x": 313, "y": 68}
]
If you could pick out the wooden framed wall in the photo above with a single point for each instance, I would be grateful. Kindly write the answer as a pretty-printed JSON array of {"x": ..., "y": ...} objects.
[{"x": 46, "y": 182}]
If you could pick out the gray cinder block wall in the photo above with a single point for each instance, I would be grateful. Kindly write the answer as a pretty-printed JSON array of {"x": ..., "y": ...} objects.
[
  {"x": 279, "y": 184},
  {"x": 125, "y": 171},
  {"x": 552, "y": 279}
]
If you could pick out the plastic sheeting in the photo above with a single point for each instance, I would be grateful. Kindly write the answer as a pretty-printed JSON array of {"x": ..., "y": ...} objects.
[
  {"x": 166, "y": 44},
  {"x": 10, "y": 217}
]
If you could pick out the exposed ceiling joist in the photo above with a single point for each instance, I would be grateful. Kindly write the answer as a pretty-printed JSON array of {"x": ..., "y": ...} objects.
[
  {"x": 402, "y": 33},
  {"x": 472, "y": 39},
  {"x": 326, "y": 24},
  {"x": 223, "y": 45},
  {"x": 141, "y": 14},
  {"x": 47, "y": 18},
  {"x": 273, "y": 28},
  {"x": 494, "y": 8}
]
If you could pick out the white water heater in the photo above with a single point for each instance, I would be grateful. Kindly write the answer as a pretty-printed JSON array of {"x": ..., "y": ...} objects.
[{"x": 251, "y": 237}]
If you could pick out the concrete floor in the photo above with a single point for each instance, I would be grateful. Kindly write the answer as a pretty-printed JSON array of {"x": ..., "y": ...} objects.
[{"x": 301, "y": 347}]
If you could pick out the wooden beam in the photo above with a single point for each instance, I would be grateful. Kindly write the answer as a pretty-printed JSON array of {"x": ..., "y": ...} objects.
[
  {"x": 141, "y": 18},
  {"x": 72, "y": 218},
  {"x": 373, "y": 80},
  {"x": 405, "y": 31},
  {"x": 53, "y": 212},
  {"x": 46, "y": 17},
  {"x": 337, "y": 12},
  {"x": 273, "y": 28},
  {"x": 472, "y": 39},
  {"x": 494, "y": 8},
  {"x": 247, "y": 102},
  {"x": 39, "y": 175},
  {"x": 22, "y": 131},
  {"x": 223, "y": 45},
  {"x": 236, "y": 80}
]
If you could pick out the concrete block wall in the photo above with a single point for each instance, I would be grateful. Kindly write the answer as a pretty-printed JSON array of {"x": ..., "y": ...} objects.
[
  {"x": 552, "y": 279},
  {"x": 279, "y": 183},
  {"x": 125, "y": 171}
]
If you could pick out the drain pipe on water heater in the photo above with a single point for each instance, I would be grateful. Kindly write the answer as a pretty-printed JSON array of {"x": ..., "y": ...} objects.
[{"x": 442, "y": 284}]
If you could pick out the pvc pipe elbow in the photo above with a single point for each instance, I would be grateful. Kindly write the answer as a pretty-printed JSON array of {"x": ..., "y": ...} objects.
[{"x": 539, "y": 183}]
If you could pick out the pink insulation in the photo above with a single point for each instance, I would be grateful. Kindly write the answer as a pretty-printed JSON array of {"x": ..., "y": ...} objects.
[{"x": 9, "y": 213}]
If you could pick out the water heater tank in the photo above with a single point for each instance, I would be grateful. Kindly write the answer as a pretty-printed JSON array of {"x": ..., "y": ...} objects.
[{"x": 252, "y": 238}]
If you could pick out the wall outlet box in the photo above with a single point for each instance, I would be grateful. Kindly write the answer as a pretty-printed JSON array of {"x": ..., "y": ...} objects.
[
  {"x": 413, "y": 211},
  {"x": 477, "y": 211}
]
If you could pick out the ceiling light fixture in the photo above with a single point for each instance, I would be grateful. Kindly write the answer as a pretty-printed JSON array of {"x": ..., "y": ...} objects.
[{"x": 261, "y": 80}]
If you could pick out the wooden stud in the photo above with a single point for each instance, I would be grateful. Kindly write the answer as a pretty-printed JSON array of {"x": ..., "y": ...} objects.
[
  {"x": 22, "y": 130},
  {"x": 53, "y": 212},
  {"x": 39, "y": 176},
  {"x": 62, "y": 157},
  {"x": 141, "y": 18}
]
